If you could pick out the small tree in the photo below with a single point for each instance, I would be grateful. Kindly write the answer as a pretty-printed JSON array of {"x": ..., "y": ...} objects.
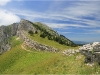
[
  {"x": 31, "y": 32},
  {"x": 36, "y": 32},
  {"x": 43, "y": 35}
]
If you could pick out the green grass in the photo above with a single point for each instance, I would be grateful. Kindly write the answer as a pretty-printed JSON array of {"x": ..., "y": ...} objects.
[
  {"x": 51, "y": 43},
  {"x": 19, "y": 61}
]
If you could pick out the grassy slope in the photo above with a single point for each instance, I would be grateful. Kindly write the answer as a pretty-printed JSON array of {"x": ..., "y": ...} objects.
[
  {"x": 19, "y": 61},
  {"x": 51, "y": 43},
  {"x": 15, "y": 60}
]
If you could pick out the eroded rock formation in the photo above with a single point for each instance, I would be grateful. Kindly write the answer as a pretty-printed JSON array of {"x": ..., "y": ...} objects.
[
  {"x": 20, "y": 29},
  {"x": 70, "y": 52},
  {"x": 6, "y": 32},
  {"x": 91, "y": 52},
  {"x": 25, "y": 26}
]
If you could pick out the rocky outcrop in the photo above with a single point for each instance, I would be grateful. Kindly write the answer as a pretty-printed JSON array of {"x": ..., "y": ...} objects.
[
  {"x": 20, "y": 29},
  {"x": 26, "y": 26},
  {"x": 96, "y": 47},
  {"x": 91, "y": 52},
  {"x": 23, "y": 27},
  {"x": 14, "y": 28},
  {"x": 70, "y": 52},
  {"x": 6, "y": 32},
  {"x": 33, "y": 44}
]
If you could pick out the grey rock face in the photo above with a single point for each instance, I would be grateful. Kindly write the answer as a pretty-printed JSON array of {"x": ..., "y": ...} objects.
[
  {"x": 96, "y": 46},
  {"x": 6, "y": 32},
  {"x": 20, "y": 29},
  {"x": 33, "y": 44},
  {"x": 14, "y": 28},
  {"x": 26, "y": 25},
  {"x": 4, "y": 48},
  {"x": 3, "y": 39},
  {"x": 91, "y": 52}
]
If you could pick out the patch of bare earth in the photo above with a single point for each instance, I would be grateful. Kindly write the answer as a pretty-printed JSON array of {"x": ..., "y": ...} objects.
[
  {"x": 17, "y": 38},
  {"x": 23, "y": 47}
]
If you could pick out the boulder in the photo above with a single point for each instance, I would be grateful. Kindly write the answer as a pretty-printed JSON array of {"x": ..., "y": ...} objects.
[
  {"x": 70, "y": 52},
  {"x": 96, "y": 46},
  {"x": 86, "y": 47},
  {"x": 91, "y": 52}
]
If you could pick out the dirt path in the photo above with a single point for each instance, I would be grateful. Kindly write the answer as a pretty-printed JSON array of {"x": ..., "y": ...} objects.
[
  {"x": 17, "y": 38},
  {"x": 23, "y": 47}
]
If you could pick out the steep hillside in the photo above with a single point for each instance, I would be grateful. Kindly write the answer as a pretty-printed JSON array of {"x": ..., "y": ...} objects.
[
  {"x": 48, "y": 32},
  {"x": 25, "y": 27},
  {"x": 6, "y": 32}
]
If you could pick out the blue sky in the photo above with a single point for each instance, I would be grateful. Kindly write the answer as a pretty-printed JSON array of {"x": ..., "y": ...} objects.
[{"x": 78, "y": 20}]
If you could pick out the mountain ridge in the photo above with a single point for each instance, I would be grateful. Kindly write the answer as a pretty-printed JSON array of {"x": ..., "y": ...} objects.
[
  {"x": 31, "y": 28},
  {"x": 32, "y": 52}
]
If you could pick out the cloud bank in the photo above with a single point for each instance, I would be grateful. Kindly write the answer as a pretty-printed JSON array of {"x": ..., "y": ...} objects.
[
  {"x": 82, "y": 14},
  {"x": 4, "y": 2},
  {"x": 79, "y": 18},
  {"x": 7, "y": 18}
]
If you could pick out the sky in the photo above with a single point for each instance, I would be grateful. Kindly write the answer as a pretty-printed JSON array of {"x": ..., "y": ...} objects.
[{"x": 78, "y": 20}]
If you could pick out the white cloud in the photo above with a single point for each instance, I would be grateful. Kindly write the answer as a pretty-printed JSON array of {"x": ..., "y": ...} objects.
[
  {"x": 7, "y": 17},
  {"x": 64, "y": 32},
  {"x": 58, "y": 25},
  {"x": 4, "y": 2},
  {"x": 75, "y": 13},
  {"x": 85, "y": 8},
  {"x": 95, "y": 31}
]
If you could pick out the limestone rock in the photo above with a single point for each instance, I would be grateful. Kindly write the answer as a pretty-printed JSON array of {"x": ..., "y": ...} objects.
[
  {"x": 91, "y": 52},
  {"x": 96, "y": 46},
  {"x": 70, "y": 52},
  {"x": 14, "y": 28},
  {"x": 22, "y": 28},
  {"x": 26, "y": 25},
  {"x": 6, "y": 32},
  {"x": 86, "y": 47}
]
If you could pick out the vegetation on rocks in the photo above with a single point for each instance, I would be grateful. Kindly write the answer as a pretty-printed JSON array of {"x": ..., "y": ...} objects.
[
  {"x": 30, "y": 32},
  {"x": 51, "y": 34}
]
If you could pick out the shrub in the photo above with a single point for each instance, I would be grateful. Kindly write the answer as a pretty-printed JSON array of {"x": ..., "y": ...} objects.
[
  {"x": 43, "y": 35},
  {"x": 30, "y": 32},
  {"x": 36, "y": 32}
]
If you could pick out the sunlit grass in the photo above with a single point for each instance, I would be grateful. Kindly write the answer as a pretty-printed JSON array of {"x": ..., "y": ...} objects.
[
  {"x": 19, "y": 61},
  {"x": 51, "y": 43}
]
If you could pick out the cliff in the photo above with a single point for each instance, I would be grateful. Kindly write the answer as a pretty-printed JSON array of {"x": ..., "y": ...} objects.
[{"x": 6, "y": 32}]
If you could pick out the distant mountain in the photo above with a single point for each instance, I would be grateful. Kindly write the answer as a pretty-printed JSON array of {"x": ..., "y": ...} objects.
[{"x": 80, "y": 42}]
